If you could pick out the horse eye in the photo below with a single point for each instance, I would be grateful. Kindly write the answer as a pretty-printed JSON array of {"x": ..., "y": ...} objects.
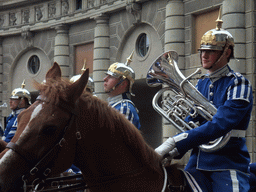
[{"x": 50, "y": 130}]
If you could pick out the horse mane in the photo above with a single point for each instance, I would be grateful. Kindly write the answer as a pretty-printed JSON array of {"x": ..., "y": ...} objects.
[
  {"x": 110, "y": 118},
  {"x": 107, "y": 117}
]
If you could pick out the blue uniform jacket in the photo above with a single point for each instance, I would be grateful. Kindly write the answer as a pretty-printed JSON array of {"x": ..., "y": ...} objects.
[
  {"x": 252, "y": 179},
  {"x": 11, "y": 125},
  {"x": 123, "y": 104},
  {"x": 231, "y": 94}
]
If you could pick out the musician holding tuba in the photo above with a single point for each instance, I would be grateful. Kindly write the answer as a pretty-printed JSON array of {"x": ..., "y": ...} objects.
[{"x": 225, "y": 169}]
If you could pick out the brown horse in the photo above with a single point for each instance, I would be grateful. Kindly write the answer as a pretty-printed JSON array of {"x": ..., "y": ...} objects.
[{"x": 68, "y": 125}]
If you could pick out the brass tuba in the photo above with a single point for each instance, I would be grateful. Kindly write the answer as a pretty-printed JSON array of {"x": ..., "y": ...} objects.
[{"x": 180, "y": 98}]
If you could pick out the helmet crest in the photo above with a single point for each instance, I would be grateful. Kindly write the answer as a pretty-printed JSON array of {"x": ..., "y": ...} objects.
[
  {"x": 21, "y": 93},
  {"x": 218, "y": 38},
  {"x": 90, "y": 83}
]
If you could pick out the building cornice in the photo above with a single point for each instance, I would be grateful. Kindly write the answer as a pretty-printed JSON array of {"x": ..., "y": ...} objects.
[{"x": 47, "y": 21}]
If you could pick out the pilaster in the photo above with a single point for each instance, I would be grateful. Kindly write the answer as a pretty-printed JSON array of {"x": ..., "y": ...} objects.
[
  {"x": 101, "y": 54},
  {"x": 174, "y": 40},
  {"x": 3, "y": 109},
  {"x": 234, "y": 22},
  {"x": 175, "y": 29},
  {"x": 61, "y": 49}
]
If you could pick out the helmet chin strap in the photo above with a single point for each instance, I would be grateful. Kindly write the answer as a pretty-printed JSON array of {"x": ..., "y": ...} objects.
[
  {"x": 114, "y": 87},
  {"x": 224, "y": 52},
  {"x": 18, "y": 106}
]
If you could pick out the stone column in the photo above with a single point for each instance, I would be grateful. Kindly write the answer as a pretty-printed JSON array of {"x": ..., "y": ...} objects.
[
  {"x": 101, "y": 54},
  {"x": 3, "y": 109},
  {"x": 233, "y": 16},
  {"x": 61, "y": 49},
  {"x": 174, "y": 29},
  {"x": 174, "y": 40}
]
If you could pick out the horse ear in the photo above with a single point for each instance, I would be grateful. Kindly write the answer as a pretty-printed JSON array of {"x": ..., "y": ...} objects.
[
  {"x": 77, "y": 88},
  {"x": 54, "y": 71}
]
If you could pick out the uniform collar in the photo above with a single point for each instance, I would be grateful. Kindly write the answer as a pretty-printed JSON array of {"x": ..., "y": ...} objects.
[
  {"x": 222, "y": 72},
  {"x": 16, "y": 112},
  {"x": 115, "y": 99}
]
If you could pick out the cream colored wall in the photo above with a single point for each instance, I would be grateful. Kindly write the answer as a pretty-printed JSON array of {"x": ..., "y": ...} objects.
[{"x": 140, "y": 64}]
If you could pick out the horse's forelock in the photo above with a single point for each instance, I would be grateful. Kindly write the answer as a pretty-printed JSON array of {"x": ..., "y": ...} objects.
[{"x": 54, "y": 90}]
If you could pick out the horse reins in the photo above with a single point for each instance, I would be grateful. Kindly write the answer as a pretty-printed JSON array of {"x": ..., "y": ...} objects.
[{"x": 39, "y": 172}]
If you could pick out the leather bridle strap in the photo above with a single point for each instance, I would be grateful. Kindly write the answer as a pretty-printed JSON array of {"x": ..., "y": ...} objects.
[
  {"x": 40, "y": 170},
  {"x": 26, "y": 156}
]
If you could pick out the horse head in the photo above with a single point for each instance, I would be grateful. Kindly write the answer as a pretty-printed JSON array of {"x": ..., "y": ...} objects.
[{"x": 46, "y": 122}]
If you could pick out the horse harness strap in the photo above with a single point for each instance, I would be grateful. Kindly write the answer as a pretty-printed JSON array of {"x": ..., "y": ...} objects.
[
  {"x": 65, "y": 183},
  {"x": 39, "y": 171},
  {"x": 177, "y": 188},
  {"x": 26, "y": 156}
]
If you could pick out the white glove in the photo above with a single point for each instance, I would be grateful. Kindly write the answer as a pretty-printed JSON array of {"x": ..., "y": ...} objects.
[
  {"x": 174, "y": 153},
  {"x": 166, "y": 147}
]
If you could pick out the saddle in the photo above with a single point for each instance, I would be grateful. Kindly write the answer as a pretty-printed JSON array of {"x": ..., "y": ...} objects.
[{"x": 177, "y": 180}]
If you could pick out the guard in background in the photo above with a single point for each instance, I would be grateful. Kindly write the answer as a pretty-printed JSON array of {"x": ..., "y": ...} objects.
[
  {"x": 118, "y": 85},
  {"x": 19, "y": 100},
  {"x": 90, "y": 83},
  {"x": 90, "y": 88}
]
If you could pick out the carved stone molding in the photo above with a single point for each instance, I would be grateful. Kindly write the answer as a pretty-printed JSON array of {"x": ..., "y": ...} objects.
[
  {"x": 25, "y": 16},
  {"x": 61, "y": 29},
  {"x": 39, "y": 13},
  {"x": 65, "y": 7},
  {"x": 28, "y": 36},
  {"x": 1, "y": 21},
  {"x": 135, "y": 10},
  {"x": 12, "y": 19},
  {"x": 51, "y": 10}
]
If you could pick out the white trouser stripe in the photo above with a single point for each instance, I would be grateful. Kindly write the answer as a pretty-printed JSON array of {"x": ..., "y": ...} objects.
[{"x": 235, "y": 183}]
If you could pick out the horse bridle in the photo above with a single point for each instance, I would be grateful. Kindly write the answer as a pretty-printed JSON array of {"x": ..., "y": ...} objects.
[{"x": 41, "y": 170}]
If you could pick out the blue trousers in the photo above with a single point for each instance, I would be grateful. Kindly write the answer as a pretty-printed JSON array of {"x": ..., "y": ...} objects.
[{"x": 216, "y": 181}]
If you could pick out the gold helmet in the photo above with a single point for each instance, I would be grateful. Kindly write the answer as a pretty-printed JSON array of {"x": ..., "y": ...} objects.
[
  {"x": 123, "y": 70},
  {"x": 21, "y": 93},
  {"x": 217, "y": 39},
  {"x": 90, "y": 83}
]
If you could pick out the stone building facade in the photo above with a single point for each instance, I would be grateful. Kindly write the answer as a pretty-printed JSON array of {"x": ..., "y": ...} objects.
[{"x": 34, "y": 34}]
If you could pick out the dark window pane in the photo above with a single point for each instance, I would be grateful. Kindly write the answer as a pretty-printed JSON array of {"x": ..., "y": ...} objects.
[
  {"x": 143, "y": 44},
  {"x": 78, "y": 4},
  {"x": 33, "y": 64}
]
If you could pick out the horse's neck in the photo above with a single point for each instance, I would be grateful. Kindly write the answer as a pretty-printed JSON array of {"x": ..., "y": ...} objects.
[
  {"x": 106, "y": 153},
  {"x": 110, "y": 150},
  {"x": 106, "y": 157}
]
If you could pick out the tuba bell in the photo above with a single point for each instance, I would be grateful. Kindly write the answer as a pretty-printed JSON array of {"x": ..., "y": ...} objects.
[{"x": 180, "y": 98}]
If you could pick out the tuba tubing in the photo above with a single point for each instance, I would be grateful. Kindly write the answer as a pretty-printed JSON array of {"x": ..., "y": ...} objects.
[{"x": 180, "y": 98}]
